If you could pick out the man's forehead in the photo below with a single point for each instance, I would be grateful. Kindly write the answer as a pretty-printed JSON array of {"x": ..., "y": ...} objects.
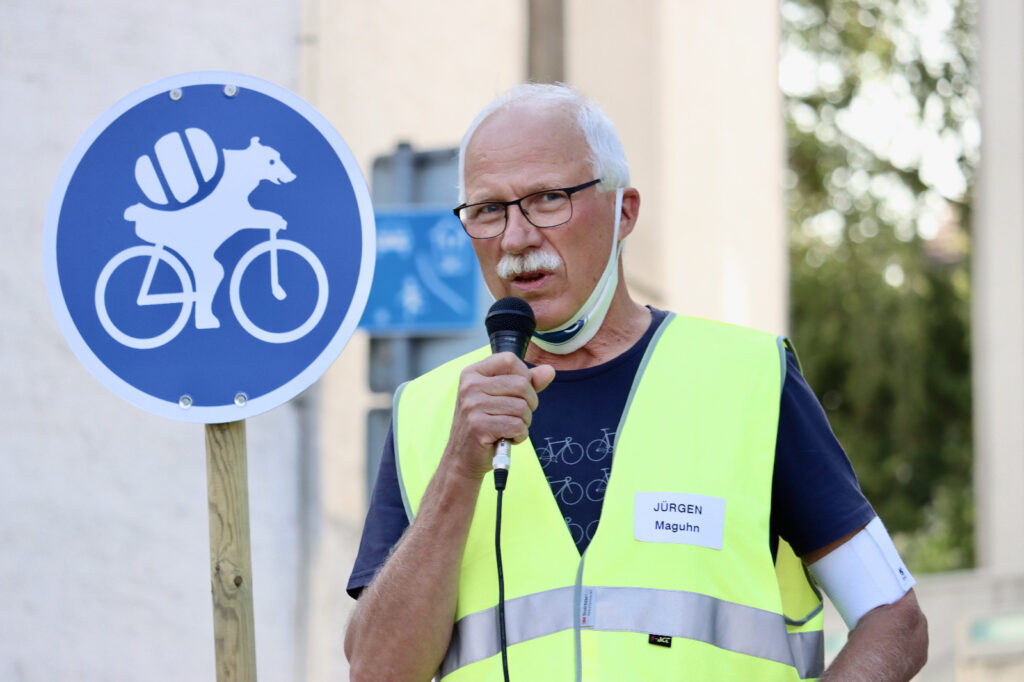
[
  {"x": 523, "y": 124},
  {"x": 546, "y": 143}
]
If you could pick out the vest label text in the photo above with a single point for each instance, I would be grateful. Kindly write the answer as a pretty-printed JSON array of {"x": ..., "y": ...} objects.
[{"x": 682, "y": 518}]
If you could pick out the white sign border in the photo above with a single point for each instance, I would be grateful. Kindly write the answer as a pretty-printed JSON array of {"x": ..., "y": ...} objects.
[{"x": 252, "y": 406}]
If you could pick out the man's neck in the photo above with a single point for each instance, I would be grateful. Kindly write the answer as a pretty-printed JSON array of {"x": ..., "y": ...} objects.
[{"x": 623, "y": 326}]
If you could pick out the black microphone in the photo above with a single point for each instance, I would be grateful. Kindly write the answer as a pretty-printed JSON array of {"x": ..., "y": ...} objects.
[{"x": 510, "y": 324}]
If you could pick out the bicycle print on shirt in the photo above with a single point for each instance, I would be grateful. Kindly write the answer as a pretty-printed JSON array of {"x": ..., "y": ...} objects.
[{"x": 578, "y": 475}]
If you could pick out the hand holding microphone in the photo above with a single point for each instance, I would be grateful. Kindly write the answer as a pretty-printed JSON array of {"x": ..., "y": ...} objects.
[{"x": 510, "y": 324}]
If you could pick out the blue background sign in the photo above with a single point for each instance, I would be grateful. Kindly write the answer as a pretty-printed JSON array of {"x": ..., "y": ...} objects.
[
  {"x": 426, "y": 279},
  {"x": 209, "y": 247}
]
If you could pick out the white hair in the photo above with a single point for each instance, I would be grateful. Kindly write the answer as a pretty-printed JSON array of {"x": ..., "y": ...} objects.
[{"x": 607, "y": 157}]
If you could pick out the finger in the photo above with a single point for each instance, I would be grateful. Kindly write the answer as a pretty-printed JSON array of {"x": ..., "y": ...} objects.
[
  {"x": 491, "y": 428},
  {"x": 500, "y": 363},
  {"x": 496, "y": 397},
  {"x": 517, "y": 387},
  {"x": 514, "y": 408},
  {"x": 476, "y": 387},
  {"x": 541, "y": 377}
]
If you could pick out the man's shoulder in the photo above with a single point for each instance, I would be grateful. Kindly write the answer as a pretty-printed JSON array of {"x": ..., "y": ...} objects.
[
  {"x": 718, "y": 324},
  {"x": 712, "y": 332}
]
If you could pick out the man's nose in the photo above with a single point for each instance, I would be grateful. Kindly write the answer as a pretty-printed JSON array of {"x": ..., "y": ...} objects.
[{"x": 519, "y": 233}]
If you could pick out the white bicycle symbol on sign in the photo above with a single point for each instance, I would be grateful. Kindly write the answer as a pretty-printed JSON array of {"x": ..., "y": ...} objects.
[
  {"x": 187, "y": 296},
  {"x": 195, "y": 231}
]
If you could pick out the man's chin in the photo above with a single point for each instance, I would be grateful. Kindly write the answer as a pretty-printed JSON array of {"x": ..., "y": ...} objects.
[{"x": 549, "y": 314}]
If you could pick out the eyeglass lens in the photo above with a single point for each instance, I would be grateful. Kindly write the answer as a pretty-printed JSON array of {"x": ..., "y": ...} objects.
[{"x": 543, "y": 209}]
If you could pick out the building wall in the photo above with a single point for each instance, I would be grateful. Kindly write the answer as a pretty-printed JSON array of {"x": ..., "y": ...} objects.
[
  {"x": 998, "y": 278},
  {"x": 701, "y": 123},
  {"x": 104, "y": 541}
]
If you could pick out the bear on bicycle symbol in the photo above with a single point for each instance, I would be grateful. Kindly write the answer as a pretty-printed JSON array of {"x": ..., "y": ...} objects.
[{"x": 196, "y": 230}]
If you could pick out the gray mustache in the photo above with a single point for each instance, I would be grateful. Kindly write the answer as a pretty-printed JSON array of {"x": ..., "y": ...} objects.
[{"x": 512, "y": 265}]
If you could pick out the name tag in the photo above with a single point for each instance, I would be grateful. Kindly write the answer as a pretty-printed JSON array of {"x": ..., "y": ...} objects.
[{"x": 682, "y": 518}]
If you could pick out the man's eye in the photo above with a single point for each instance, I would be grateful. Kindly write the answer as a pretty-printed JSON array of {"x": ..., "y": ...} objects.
[{"x": 489, "y": 210}]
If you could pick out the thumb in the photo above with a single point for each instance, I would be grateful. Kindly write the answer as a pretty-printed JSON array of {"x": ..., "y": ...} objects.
[{"x": 541, "y": 376}]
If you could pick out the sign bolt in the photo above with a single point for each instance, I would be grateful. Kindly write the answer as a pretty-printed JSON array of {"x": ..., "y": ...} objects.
[
  {"x": 185, "y": 402},
  {"x": 176, "y": 94},
  {"x": 230, "y": 90},
  {"x": 241, "y": 399}
]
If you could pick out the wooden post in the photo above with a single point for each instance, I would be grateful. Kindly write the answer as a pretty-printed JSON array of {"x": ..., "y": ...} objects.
[{"x": 230, "y": 557}]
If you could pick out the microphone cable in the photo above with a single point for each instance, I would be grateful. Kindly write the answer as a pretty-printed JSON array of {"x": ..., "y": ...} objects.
[
  {"x": 510, "y": 323},
  {"x": 500, "y": 477}
]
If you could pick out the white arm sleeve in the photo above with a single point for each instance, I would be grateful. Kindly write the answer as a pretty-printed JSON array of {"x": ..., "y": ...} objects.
[{"x": 864, "y": 572}]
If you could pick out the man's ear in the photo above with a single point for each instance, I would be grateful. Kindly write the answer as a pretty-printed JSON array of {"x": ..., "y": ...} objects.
[{"x": 630, "y": 211}]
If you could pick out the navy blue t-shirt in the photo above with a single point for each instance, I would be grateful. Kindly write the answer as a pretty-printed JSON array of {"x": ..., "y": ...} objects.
[{"x": 815, "y": 495}]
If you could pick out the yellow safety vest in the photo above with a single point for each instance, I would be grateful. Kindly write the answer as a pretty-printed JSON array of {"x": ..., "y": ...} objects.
[{"x": 701, "y": 423}]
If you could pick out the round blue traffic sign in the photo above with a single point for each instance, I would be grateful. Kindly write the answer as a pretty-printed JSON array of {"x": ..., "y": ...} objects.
[{"x": 209, "y": 247}]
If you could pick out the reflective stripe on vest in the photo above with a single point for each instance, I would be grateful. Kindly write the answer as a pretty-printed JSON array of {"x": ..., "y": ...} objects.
[
  {"x": 734, "y": 627},
  {"x": 706, "y": 410}
]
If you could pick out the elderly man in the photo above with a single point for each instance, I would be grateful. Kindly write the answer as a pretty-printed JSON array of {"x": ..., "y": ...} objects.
[{"x": 664, "y": 472}]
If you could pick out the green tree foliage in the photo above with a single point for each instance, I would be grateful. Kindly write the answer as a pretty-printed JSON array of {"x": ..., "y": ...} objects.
[{"x": 882, "y": 137}]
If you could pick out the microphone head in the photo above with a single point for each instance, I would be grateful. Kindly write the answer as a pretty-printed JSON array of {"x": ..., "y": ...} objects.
[{"x": 510, "y": 324}]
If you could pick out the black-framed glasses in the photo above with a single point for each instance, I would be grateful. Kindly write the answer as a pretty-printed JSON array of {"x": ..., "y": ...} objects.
[{"x": 546, "y": 208}]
